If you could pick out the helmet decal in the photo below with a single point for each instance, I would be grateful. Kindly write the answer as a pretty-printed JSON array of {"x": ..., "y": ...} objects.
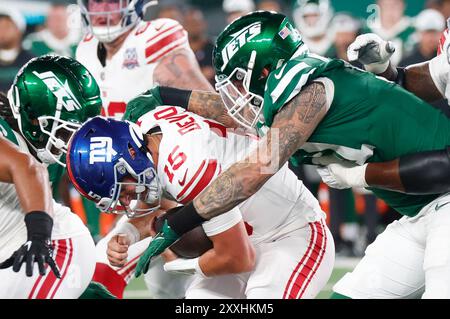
[
  {"x": 62, "y": 92},
  {"x": 50, "y": 98},
  {"x": 101, "y": 149},
  {"x": 239, "y": 40}
]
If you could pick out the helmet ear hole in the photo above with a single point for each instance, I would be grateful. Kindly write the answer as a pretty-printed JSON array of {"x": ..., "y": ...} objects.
[
  {"x": 131, "y": 151},
  {"x": 264, "y": 73}
]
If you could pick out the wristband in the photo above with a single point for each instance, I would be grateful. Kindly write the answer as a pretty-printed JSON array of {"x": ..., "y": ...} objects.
[
  {"x": 39, "y": 225},
  {"x": 130, "y": 230},
  {"x": 175, "y": 97},
  {"x": 181, "y": 219}
]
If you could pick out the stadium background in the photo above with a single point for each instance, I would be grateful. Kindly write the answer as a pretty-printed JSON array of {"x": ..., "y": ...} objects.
[{"x": 355, "y": 217}]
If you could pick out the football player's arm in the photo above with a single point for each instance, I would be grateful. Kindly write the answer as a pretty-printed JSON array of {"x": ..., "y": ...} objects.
[
  {"x": 29, "y": 177},
  {"x": 31, "y": 181},
  {"x": 291, "y": 128},
  {"x": 426, "y": 80},
  {"x": 180, "y": 69},
  {"x": 417, "y": 79},
  {"x": 232, "y": 253},
  {"x": 420, "y": 173},
  {"x": 204, "y": 103}
]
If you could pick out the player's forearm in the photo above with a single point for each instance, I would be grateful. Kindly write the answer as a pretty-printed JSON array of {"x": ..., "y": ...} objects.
[
  {"x": 210, "y": 105},
  {"x": 291, "y": 128},
  {"x": 29, "y": 177},
  {"x": 416, "y": 79},
  {"x": 420, "y": 173},
  {"x": 181, "y": 70},
  {"x": 214, "y": 263},
  {"x": 384, "y": 175}
]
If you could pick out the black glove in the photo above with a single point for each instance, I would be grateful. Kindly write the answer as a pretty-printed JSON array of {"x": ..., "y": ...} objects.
[{"x": 38, "y": 247}]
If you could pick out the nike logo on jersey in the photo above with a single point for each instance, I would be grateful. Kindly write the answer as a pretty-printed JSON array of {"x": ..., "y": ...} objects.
[
  {"x": 440, "y": 206},
  {"x": 183, "y": 181},
  {"x": 279, "y": 74}
]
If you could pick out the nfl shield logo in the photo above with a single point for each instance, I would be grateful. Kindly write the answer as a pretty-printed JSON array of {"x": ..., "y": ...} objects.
[{"x": 130, "y": 60}]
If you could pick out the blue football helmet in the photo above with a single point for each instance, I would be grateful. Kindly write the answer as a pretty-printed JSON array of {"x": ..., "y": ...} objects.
[{"x": 101, "y": 154}]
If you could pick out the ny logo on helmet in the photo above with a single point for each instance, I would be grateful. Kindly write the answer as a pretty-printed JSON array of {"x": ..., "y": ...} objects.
[
  {"x": 239, "y": 40},
  {"x": 101, "y": 150},
  {"x": 62, "y": 91}
]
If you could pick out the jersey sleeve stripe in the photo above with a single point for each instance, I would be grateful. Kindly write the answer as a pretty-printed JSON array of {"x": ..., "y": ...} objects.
[
  {"x": 163, "y": 33},
  {"x": 442, "y": 41},
  {"x": 206, "y": 178},
  {"x": 162, "y": 40},
  {"x": 165, "y": 46}
]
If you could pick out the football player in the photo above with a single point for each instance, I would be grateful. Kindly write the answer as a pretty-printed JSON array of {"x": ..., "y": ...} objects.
[
  {"x": 429, "y": 81},
  {"x": 49, "y": 99},
  {"x": 181, "y": 153},
  {"x": 127, "y": 55},
  {"x": 321, "y": 111}
]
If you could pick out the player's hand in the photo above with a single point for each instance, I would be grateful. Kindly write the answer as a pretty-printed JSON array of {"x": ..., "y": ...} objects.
[
  {"x": 163, "y": 239},
  {"x": 117, "y": 250},
  {"x": 37, "y": 249},
  {"x": 372, "y": 51},
  {"x": 142, "y": 104},
  {"x": 342, "y": 176}
]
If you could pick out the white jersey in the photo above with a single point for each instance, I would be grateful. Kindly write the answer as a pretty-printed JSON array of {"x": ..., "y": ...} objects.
[
  {"x": 130, "y": 71},
  {"x": 440, "y": 66},
  {"x": 194, "y": 151},
  {"x": 12, "y": 225}
]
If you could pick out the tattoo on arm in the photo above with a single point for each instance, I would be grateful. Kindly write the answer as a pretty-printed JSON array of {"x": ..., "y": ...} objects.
[
  {"x": 210, "y": 105},
  {"x": 180, "y": 69},
  {"x": 291, "y": 128}
]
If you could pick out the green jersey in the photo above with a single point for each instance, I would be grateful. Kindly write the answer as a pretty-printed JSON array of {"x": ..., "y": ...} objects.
[
  {"x": 369, "y": 119},
  {"x": 55, "y": 171}
]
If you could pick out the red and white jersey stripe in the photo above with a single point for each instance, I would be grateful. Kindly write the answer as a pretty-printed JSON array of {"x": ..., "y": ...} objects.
[
  {"x": 442, "y": 41},
  {"x": 47, "y": 286},
  {"x": 309, "y": 264},
  {"x": 131, "y": 70}
]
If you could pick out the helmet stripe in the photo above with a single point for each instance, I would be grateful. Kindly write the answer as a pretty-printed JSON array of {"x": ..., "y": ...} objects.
[{"x": 72, "y": 177}]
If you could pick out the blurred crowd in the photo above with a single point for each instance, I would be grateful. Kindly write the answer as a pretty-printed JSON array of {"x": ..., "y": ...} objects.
[{"x": 355, "y": 216}]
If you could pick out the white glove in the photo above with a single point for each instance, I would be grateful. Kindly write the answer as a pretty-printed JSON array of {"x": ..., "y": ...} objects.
[
  {"x": 341, "y": 176},
  {"x": 372, "y": 51},
  {"x": 184, "y": 266}
]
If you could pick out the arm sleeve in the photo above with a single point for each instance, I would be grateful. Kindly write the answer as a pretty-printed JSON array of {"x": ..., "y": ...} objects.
[{"x": 222, "y": 222}]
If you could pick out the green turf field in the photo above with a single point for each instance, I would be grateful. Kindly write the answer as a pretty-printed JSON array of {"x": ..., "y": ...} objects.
[{"x": 137, "y": 289}]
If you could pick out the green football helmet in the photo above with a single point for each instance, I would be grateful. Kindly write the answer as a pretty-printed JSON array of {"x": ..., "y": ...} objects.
[
  {"x": 245, "y": 53},
  {"x": 50, "y": 98}
]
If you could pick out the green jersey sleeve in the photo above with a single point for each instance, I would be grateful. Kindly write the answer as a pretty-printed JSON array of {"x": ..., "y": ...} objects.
[
  {"x": 142, "y": 104},
  {"x": 286, "y": 82}
]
